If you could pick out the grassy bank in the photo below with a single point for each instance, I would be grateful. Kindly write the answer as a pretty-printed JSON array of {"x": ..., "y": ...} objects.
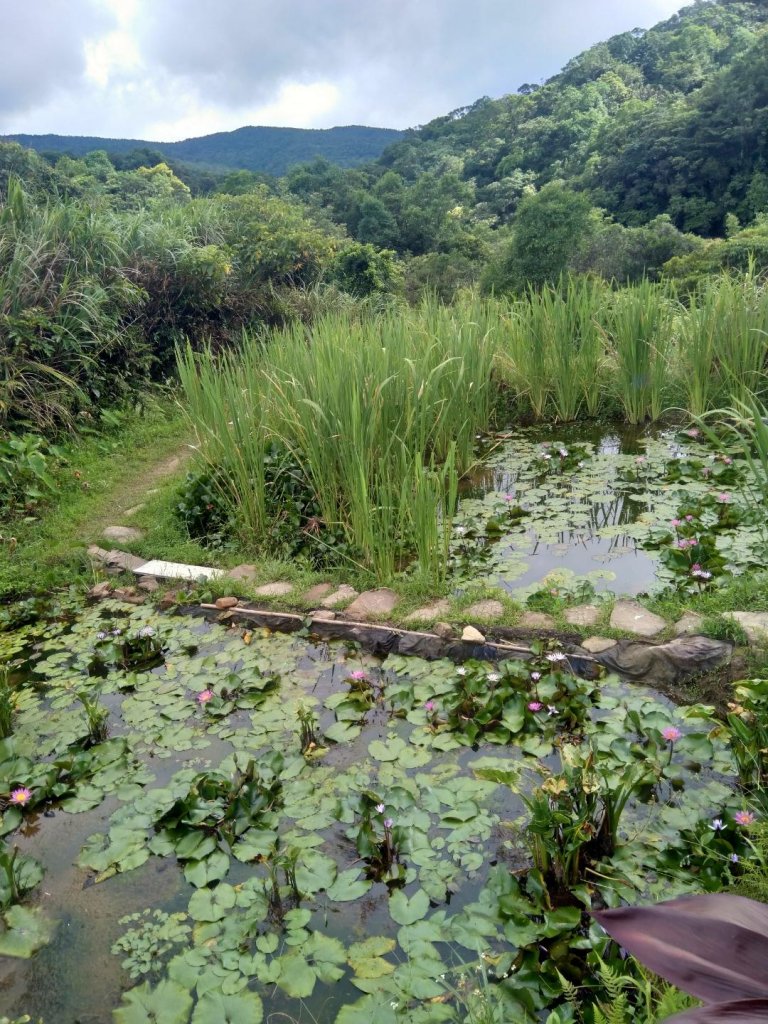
[{"x": 100, "y": 478}]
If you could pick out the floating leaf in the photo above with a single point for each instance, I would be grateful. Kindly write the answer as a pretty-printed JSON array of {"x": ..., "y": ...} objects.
[
  {"x": 26, "y": 932},
  {"x": 348, "y": 886},
  {"x": 167, "y": 1003},
  {"x": 365, "y": 958},
  {"x": 217, "y": 1008},
  {"x": 212, "y": 904},
  {"x": 407, "y": 911}
]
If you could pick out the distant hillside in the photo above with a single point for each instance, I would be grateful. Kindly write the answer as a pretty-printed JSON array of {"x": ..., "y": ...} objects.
[{"x": 271, "y": 150}]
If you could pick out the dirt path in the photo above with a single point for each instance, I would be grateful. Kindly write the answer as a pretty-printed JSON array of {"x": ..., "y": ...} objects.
[{"x": 119, "y": 507}]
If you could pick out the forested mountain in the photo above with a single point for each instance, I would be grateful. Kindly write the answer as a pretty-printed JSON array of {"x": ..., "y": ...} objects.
[
  {"x": 641, "y": 146},
  {"x": 269, "y": 150}
]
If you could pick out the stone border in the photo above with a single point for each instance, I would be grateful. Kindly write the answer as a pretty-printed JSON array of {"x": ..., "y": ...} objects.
[{"x": 387, "y": 639}]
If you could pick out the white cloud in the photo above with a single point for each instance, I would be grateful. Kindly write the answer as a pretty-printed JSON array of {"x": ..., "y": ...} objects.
[{"x": 169, "y": 69}]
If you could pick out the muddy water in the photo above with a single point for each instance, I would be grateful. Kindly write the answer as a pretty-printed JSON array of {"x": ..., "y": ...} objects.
[{"x": 584, "y": 523}]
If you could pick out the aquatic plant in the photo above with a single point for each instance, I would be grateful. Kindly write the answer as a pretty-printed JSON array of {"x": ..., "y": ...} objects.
[
  {"x": 539, "y": 698},
  {"x": 148, "y": 944},
  {"x": 97, "y": 716},
  {"x": 307, "y": 727},
  {"x": 638, "y": 330},
  {"x": 379, "y": 414},
  {"x": 575, "y": 816},
  {"x": 378, "y": 839}
]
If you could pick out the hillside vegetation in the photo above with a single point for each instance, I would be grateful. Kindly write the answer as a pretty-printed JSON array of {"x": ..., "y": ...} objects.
[
  {"x": 644, "y": 148},
  {"x": 266, "y": 149}
]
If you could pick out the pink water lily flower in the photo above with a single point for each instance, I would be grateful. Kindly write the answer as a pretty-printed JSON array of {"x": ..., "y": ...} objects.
[
  {"x": 204, "y": 696},
  {"x": 535, "y": 705},
  {"x": 20, "y": 796},
  {"x": 671, "y": 733},
  {"x": 744, "y": 818}
]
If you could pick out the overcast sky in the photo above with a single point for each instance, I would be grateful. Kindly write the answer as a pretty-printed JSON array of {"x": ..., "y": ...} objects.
[{"x": 171, "y": 69}]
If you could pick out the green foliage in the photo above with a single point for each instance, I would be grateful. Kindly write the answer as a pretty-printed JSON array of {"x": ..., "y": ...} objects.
[
  {"x": 363, "y": 270},
  {"x": 550, "y": 228},
  {"x": 27, "y": 473}
]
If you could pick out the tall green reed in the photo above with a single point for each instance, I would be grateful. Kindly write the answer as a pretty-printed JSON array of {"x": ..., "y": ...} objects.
[
  {"x": 551, "y": 349},
  {"x": 723, "y": 342},
  {"x": 380, "y": 412},
  {"x": 638, "y": 333}
]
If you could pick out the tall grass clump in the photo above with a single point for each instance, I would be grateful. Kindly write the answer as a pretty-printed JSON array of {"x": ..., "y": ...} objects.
[
  {"x": 638, "y": 330},
  {"x": 224, "y": 403},
  {"x": 723, "y": 342},
  {"x": 63, "y": 293},
  {"x": 379, "y": 412},
  {"x": 551, "y": 349}
]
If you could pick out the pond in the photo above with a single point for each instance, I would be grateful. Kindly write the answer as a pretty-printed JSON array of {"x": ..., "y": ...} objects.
[
  {"x": 577, "y": 505},
  {"x": 280, "y": 827}
]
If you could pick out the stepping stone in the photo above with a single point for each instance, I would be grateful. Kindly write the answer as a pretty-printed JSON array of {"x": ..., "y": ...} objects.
[
  {"x": 226, "y": 602},
  {"x": 689, "y": 624},
  {"x": 372, "y": 604},
  {"x": 430, "y": 611},
  {"x": 122, "y": 534},
  {"x": 754, "y": 624},
  {"x": 148, "y": 584},
  {"x": 101, "y": 590},
  {"x": 485, "y": 610},
  {"x": 443, "y": 629},
  {"x": 98, "y": 554},
  {"x": 129, "y": 594},
  {"x": 633, "y": 618},
  {"x": 323, "y": 615},
  {"x": 134, "y": 510},
  {"x": 582, "y": 615},
  {"x": 472, "y": 635},
  {"x": 243, "y": 572},
  {"x": 597, "y": 644},
  {"x": 317, "y": 592},
  {"x": 122, "y": 560},
  {"x": 342, "y": 593},
  {"x": 274, "y": 590},
  {"x": 177, "y": 570},
  {"x": 536, "y": 620}
]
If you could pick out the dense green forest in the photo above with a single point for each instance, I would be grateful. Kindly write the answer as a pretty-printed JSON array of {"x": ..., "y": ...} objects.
[{"x": 265, "y": 149}]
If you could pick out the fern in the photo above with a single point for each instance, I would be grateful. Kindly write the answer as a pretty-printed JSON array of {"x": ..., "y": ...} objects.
[{"x": 617, "y": 1008}]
